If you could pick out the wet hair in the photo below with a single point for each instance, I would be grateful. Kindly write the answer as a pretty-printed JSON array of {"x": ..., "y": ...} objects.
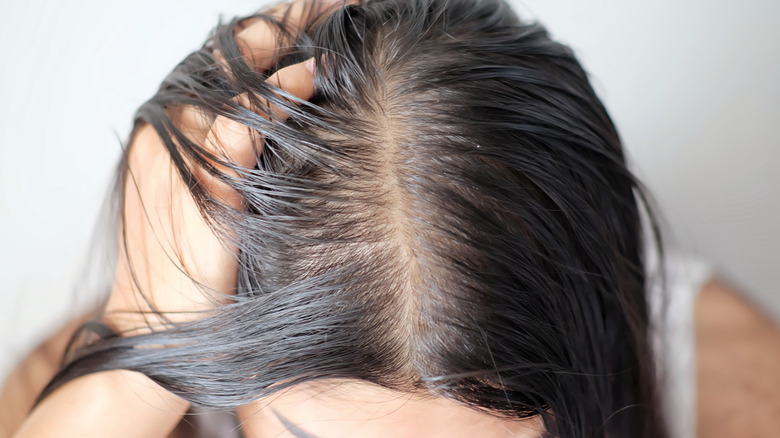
[{"x": 451, "y": 214}]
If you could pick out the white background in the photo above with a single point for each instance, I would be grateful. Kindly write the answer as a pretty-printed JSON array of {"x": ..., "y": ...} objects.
[{"x": 694, "y": 87}]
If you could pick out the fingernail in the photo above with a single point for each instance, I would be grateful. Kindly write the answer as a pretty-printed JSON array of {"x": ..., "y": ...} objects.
[{"x": 309, "y": 64}]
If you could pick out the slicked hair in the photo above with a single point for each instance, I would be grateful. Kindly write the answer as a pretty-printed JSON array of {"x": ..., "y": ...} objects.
[{"x": 450, "y": 214}]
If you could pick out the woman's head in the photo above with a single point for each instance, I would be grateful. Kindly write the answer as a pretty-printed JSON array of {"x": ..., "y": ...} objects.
[{"x": 451, "y": 216}]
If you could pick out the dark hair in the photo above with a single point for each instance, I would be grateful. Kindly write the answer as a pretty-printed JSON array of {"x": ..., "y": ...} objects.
[{"x": 451, "y": 213}]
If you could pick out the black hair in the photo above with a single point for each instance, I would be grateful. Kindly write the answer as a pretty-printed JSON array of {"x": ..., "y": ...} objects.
[{"x": 450, "y": 214}]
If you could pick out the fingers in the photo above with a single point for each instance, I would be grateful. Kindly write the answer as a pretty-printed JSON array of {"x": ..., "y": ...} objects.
[
  {"x": 259, "y": 41},
  {"x": 237, "y": 143},
  {"x": 192, "y": 121}
]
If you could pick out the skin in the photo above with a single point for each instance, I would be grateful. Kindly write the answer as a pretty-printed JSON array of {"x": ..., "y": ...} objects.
[
  {"x": 738, "y": 348},
  {"x": 738, "y": 366},
  {"x": 331, "y": 409}
]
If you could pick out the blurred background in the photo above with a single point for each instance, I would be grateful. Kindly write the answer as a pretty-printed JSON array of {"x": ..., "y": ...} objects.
[{"x": 693, "y": 85}]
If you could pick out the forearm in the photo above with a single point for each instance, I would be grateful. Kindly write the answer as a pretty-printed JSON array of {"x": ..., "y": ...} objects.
[
  {"x": 118, "y": 403},
  {"x": 24, "y": 383},
  {"x": 113, "y": 403}
]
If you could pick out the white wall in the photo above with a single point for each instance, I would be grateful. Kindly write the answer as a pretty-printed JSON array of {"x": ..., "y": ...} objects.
[{"x": 693, "y": 85}]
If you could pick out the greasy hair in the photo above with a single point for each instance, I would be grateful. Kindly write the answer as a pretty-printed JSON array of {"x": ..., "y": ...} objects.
[{"x": 451, "y": 214}]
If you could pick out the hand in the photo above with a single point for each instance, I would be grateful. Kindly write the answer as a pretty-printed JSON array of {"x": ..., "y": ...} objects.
[
  {"x": 168, "y": 254},
  {"x": 170, "y": 259}
]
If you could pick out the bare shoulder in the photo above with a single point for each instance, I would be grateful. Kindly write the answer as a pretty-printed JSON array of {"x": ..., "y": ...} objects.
[{"x": 738, "y": 366}]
